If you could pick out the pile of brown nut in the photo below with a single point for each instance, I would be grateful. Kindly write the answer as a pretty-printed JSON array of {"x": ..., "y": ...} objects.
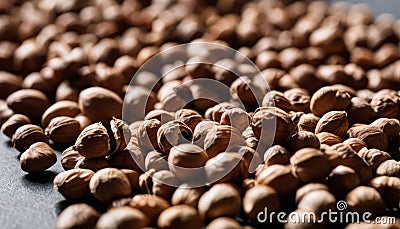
[{"x": 333, "y": 74}]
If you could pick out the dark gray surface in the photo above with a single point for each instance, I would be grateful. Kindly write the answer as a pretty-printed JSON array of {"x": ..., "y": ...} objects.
[{"x": 26, "y": 201}]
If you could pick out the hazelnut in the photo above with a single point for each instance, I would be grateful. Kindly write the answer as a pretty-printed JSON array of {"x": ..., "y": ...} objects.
[
  {"x": 248, "y": 92},
  {"x": 94, "y": 164},
  {"x": 355, "y": 143},
  {"x": 385, "y": 105},
  {"x": 221, "y": 200},
  {"x": 5, "y": 112},
  {"x": 138, "y": 102},
  {"x": 93, "y": 141},
  {"x": 263, "y": 121},
  {"x": 185, "y": 194},
  {"x": 133, "y": 178},
  {"x": 69, "y": 158},
  {"x": 155, "y": 160},
  {"x": 277, "y": 99},
  {"x": 13, "y": 123},
  {"x": 201, "y": 131},
  {"x": 161, "y": 115},
  {"x": 121, "y": 133},
  {"x": 186, "y": 162},
  {"x": 371, "y": 135},
  {"x": 146, "y": 134},
  {"x": 299, "y": 99},
  {"x": 224, "y": 223},
  {"x": 328, "y": 99},
  {"x": 317, "y": 201},
  {"x": 365, "y": 199},
  {"x": 280, "y": 178},
  {"x": 173, "y": 133},
  {"x": 131, "y": 158},
  {"x": 77, "y": 216},
  {"x": 305, "y": 76},
  {"x": 389, "y": 168},
  {"x": 236, "y": 117},
  {"x": 304, "y": 164},
  {"x": 109, "y": 184},
  {"x": 328, "y": 138},
  {"x": 258, "y": 198},
  {"x": 63, "y": 129},
  {"x": 123, "y": 217},
  {"x": 164, "y": 184},
  {"x": 74, "y": 183},
  {"x": 307, "y": 122},
  {"x": 374, "y": 157},
  {"x": 277, "y": 155},
  {"x": 388, "y": 188},
  {"x": 151, "y": 204},
  {"x": 9, "y": 83},
  {"x": 391, "y": 128},
  {"x": 29, "y": 102},
  {"x": 303, "y": 139},
  {"x": 27, "y": 135},
  {"x": 341, "y": 180},
  {"x": 61, "y": 108},
  {"x": 100, "y": 104},
  {"x": 225, "y": 167},
  {"x": 334, "y": 122},
  {"x": 308, "y": 188},
  {"x": 222, "y": 138},
  {"x": 37, "y": 158},
  {"x": 179, "y": 216}
]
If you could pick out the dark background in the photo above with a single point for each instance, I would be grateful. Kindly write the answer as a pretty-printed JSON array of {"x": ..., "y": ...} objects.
[{"x": 28, "y": 201}]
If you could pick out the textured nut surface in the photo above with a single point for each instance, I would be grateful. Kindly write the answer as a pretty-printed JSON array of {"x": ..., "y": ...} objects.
[
  {"x": 29, "y": 102},
  {"x": 26, "y": 135},
  {"x": 74, "y": 183},
  {"x": 124, "y": 218},
  {"x": 61, "y": 108},
  {"x": 100, "y": 104},
  {"x": 187, "y": 195},
  {"x": 258, "y": 198},
  {"x": 77, "y": 216},
  {"x": 327, "y": 99},
  {"x": 179, "y": 217},
  {"x": 151, "y": 204},
  {"x": 334, "y": 122},
  {"x": 363, "y": 198},
  {"x": 69, "y": 158},
  {"x": 173, "y": 133},
  {"x": 93, "y": 141},
  {"x": 372, "y": 136},
  {"x": 310, "y": 164},
  {"x": 109, "y": 184},
  {"x": 13, "y": 123},
  {"x": 280, "y": 177},
  {"x": 63, "y": 129},
  {"x": 38, "y": 157}
]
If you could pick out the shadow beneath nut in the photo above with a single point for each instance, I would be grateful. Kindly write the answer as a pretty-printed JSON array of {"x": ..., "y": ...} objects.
[
  {"x": 41, "y": 177},
  {"x": 89, "y": 200}
]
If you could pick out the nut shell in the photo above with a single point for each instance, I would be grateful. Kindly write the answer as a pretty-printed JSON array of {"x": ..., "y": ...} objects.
[
  {"x": 180, "y": 217},
  {"x": 26, "y": 135},
  {"x": 63, "y": 129},
  {"x": 30, "y": 102},
  {"x": 37, "y": 158},
  {"x": 93, "y": 141},
  {"x": 77, "y": 216},
  {"x": 74, "y": 183},
  {"x": 13, "y": 123},
  {"x": 123, "y": 218},
  {"x": 109, "y": 184}
]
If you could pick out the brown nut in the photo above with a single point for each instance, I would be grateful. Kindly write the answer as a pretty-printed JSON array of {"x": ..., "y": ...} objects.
[
  {"x": 26, "y": 135},
  {"x": 389, "y": 168},
  {"x": 77, "y": 216},
  {"x": 328, "y": 138},
  {"x": 61, "y": 108},
  {"x": 307, "y": 122},
  {"x": 371, "y": 135},
  {"x": 123, "y": 217},
  {"x": 94, "y": 164},
  {"x": 249, "y": 93},
  {"x": 146, "y": 134},
  {"x": 109, "y": 184},
  {"x": 164, "y": 184},
  {"x": 185, "y": 194},
  {"x": 374, "y": 157},
  {"x": 221, "y": 200},
  {"x": 299, "y": 98},
  {"x": 279, "y": 177},
  {"x": 180, "y": 217},
  {"x": 328, "y": 99},
  {"x": 190, "y": 117},
  {"x": 100, "y": 104},
  {"x": 83, "y": 120},
  {"x": 317, "y": 201},
  {"x": 151, "y": 204},
  {"x": 69, "y": 158},
  {"x": 226, "y": 167},
  {"x": 308, "y": 188},
  {"x": 133, "y": 178},
  {"x": 9, "y": 83},
  {"x": 277, "y": 99},
  {"x": 5, "y": 111},
  {"x": 341, "y": 180},
  {"x": 201, "y": 131},
  {"x": 29, "y": 102},
  {"x": 303, "y": 139},
  {"x": 74, "y": 183},
  {"x": 365, "y": 199},
  {"x": 265, "y": 118},
  {"x": 173, "y": 133},
  {"x": 13, "y": 123},
  {"x": 93, "y": 141},
  {"x": 388, "y": 188},
  {"x": 130, "y": 158},
  {"x": 360, "y": 111},
  {"x": 236, "y": 117},
  {"x": 186, "y": 161},
  {"x": 222, "y": 138},
  {"x": 304, "y": 164},
  {"x": 37, "y": 158},
  {"x": 355, "y": 143},
  {"x": 277, "y": 155},
  {"x": 121, "y": 134},
  {"x": 385, "y": 105},
  {"x": 224, "y": 223},
  {"x": 391, "y": 128},
  {"x": 155, "y": 160},
  {"x": 161, "y": 115},
  {"x": 257, "y": 199},
  {"x": 63, "y": 129},
  {"x": 334, "y": 122}
]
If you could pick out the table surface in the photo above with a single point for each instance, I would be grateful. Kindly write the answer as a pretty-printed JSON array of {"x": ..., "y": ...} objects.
[{"x": 28, "y": 201}]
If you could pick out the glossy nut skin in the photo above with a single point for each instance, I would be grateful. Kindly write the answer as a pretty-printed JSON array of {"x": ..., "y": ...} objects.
[
  {"x": 180, "y": 216},
  {"x": 77, "y": 216},
  {"x": 37, "y": 158},
  {"x": 73, "y": 184}
]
